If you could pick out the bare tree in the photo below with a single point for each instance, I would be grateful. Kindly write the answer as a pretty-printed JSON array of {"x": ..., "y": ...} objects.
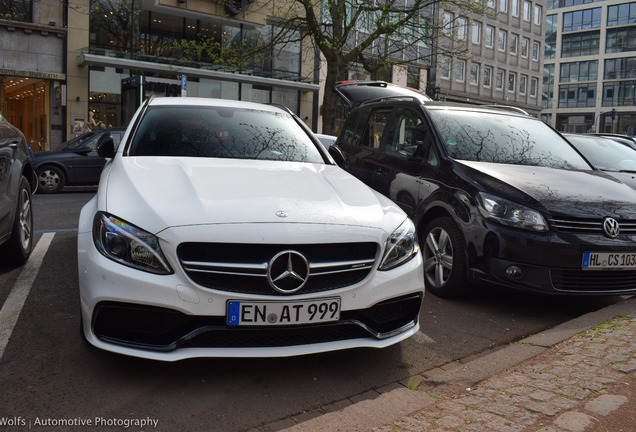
[{"x": 375, "y": 34}]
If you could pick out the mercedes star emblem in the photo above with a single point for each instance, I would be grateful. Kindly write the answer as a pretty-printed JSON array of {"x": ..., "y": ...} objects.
[{"x": 288, "y": 272}]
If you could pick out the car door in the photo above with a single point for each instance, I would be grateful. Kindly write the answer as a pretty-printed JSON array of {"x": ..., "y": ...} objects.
[
  {"x": 360, "y": 142},
  {"x": 86, "y": 164},
  {"x": 9, "y": 142},
  {"x": 407, "y": 160}
]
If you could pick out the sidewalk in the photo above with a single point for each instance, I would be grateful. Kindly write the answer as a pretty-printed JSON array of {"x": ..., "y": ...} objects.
[{"x": 577, "y": 377}]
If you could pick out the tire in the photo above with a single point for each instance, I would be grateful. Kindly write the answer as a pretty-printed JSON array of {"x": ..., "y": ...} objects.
[
  {"x": 50, "y": 179},
  {"x": 18, "y": 249},
  {"x": 444, "y": 258}
]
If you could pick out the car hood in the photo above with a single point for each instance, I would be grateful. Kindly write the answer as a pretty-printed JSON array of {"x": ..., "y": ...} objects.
[
  {"x": 157, "y": 193},
  {"x": 559, "y": 192},
  {"x": 628, "y": 178}
]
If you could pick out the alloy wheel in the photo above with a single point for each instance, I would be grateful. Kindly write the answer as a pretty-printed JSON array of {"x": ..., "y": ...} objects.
[{"x": 438, "y": 257}]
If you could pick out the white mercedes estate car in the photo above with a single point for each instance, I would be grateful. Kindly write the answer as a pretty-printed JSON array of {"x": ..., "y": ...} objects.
[{"x": 224, "y": 229}]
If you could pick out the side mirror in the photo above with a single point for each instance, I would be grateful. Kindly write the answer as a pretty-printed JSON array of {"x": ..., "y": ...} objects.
[
  {"x": 337, "y": 156},
  {"x": 106, "y": 146}
]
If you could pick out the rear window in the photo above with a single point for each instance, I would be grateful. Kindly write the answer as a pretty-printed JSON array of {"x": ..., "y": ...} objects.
[
  {"x": 221, "y": 132},
  {"x": 506, "y": 139}
]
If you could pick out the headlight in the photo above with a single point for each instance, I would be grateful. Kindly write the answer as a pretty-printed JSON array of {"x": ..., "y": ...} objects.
[
  {"x": 128, "y": 245},
  {"x": 510, "y": 213},
  {"x": 400, "y": 247}
]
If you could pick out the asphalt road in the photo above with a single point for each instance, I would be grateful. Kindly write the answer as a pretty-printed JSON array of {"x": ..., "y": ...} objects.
[{"x": 49, "y": 376}]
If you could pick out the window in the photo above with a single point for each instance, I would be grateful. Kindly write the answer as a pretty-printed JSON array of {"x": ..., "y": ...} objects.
[
  {"x": 523, "y": 84},
  {"x": 534, "y": 83},
  {"x": 581, "y": 44},
  {"x": 501, "y": 40},
  {"x": 503, "y": 5},
  {"x": 444, "y": 67},
  {"x": 476, "y": 34},
  {"x": 372, "y": 136},
  {"x": 535, "y": 51},
  {"x": 620, "y": 40},
  {"x": 499, "y": 84},
  {"x": 461, "y": 29},
  {"x": 447, "y": 24},
  {"x": 490, "y": 3},
  {"x": 548, "y": 86},
  {"x": 16, "y": 10},
  {"x": 474, "y": 74},
  {"x": 624, "y": 14},
  {"x": 526, "y": 10},
  {"x": 620, "y": 68},
  {"x": 460, "y": 71},
  {"x": 515, "y": 8},
  {"x": 487, "y": 76},
  {"x": 619, "y": 93},
  {"x": 579, "y": 71},
  {"x": 514, "y": 42},
  {"x": 490, "y": 36},
  {"x": 525, "y": 47},
  {"x": 408, "y": 130},
  {"x": 512, "y": 82},
  {"x": 582, "y": 20},
  {"x": 551, "y": 22},
  {"x": 577, "y": 95},
  {"x": 538, "y": 14}
]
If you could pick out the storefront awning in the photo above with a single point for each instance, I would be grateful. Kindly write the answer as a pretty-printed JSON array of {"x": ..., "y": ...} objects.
[{"x": 86, "y": 59}]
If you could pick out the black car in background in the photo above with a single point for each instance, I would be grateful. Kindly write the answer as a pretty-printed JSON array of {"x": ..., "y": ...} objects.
[
  {"x": 75, "y": 164},
  {"x": 497, "y": 197},
  {"x": 615, "y": 157},
  {"x": 16, "y": 184}
]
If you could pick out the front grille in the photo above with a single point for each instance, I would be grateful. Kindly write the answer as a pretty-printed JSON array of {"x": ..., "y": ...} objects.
[
  {"x": 590, "y": 225},
  {"x": 594, "y": 281},
  {"x": 242, "y": 268}
]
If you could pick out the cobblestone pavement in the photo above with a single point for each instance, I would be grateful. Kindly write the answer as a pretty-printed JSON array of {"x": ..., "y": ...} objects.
[{"x": 578, "y": 385}]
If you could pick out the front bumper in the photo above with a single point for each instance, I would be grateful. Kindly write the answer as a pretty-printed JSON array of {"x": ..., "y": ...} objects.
[
  {"x": 548, "y": 262},
  {"x": 170, "y": 317}
]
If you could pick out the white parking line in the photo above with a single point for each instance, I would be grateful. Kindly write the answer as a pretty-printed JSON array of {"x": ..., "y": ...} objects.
[{"x": 13, "y": 305}]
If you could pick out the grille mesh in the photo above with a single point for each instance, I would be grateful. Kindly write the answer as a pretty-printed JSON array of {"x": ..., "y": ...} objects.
[
  {"x": 242, "y": 268},
  {"x": 594, "y": 281},
  {"x": 591, "y": 225}
]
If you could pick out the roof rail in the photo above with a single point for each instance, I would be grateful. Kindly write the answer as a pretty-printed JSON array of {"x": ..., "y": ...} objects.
[{"x": 507, "y": 108}]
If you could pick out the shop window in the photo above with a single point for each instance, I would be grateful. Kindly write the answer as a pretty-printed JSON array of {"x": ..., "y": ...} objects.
[{"x": 16, "y": 10}]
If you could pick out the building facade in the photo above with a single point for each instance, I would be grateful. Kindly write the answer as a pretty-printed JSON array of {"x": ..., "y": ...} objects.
[
  {"x": 504, "y": 55},
  {"x": 62, "y": 61},
  {"x": 590, "y": 66},
  {"x": 33, "y": 38}
]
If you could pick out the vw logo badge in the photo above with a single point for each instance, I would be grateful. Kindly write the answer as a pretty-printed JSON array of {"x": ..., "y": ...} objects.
[
  {"x": 611, "y": 227},
  {"x": 288, "y": 272}
]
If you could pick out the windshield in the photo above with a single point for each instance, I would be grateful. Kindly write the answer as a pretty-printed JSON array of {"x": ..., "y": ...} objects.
[
  {"x": 222, "y": 132},
  {"x": 502, "y": 138},
  {"x": 605, "y": 154},
  {"x": 78, "y": 141}
]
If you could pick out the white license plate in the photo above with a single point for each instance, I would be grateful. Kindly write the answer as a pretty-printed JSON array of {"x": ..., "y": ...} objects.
[
  {"x": 249, "y": 313},
  {"x": 609, "y": 260}
]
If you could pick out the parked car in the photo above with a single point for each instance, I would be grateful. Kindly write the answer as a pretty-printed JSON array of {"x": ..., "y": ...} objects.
[
  {"x": 75, "y": 164},
  {"x": 352, "y": 93},
  {"x": 17, "y": 182},
  {"x": 607, "y": 154},
  {"x": 326, "y": 140},
  {"x": 623, "y": 139},
  {"x": 497, "y": 197},
  {"x": 223, "y": 228}
]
